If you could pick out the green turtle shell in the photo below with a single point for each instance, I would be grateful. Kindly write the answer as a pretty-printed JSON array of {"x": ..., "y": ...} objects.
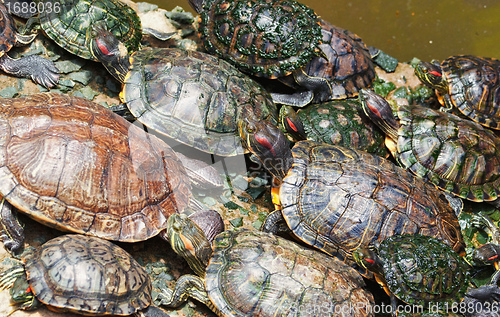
[
  {"x": 68, "y": 26},
  {"x": 457, "y": 155},
  {"x": 338, "y": 199},
  {"x": 339, "y": 122},
  {"x": 89, "y": 275},
  {"x": 262, "y": 37},
  {"x": 193, "y": 97},
  {"x": 253, "y": 273},
  {"x": 420, "y": 269},
  {"x": 474, "y": 87}
]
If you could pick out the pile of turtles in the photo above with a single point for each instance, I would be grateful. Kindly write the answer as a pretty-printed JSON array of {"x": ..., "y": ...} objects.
[{"x": 261, "y": 148}]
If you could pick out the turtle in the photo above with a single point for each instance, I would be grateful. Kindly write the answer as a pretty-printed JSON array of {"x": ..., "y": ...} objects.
[
  {"x": 40, "y": 70},
  {"x": 190, "y": 96},
  {"x": 254, "y": 273},
  {"x": 265, "y": 38},
  {"x": 83, "y": 275},
  {"x": 457, "y": 155},
  {"x": 337, "y": 199},
  {"x": 338, "y": 122},
  {"x": 418, "y": 269},
  {"x": 67, "y": 25},
  {"x": 347, "y": 68},
  {"x": 74, "y": 165},
  {"x": 469, "y": 83}
]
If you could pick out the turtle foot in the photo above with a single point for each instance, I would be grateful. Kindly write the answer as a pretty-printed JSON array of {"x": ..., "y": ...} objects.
[{"x": 39, "y": 69}]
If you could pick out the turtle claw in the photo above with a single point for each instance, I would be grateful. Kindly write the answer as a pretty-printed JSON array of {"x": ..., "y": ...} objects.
[{"x": 39, "y": 69}]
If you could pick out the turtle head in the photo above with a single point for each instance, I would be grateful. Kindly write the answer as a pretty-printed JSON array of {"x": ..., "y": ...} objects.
[
  {"x": 487, "y": 254},
  {"x": 266, "y": 142},
  {"x": 189, "y": 241},
  {"x": 108, "y": 50},
  {"x": 368, "y": 259},
  {"x": 380, "y": 112},
  {"x": 21, "y": 292},
  {"x": 431, "y": 75},
  {"x": 291, "y": 123}
]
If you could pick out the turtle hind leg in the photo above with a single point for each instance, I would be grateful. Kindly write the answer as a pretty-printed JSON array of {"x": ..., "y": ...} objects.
[
  {"x": 11, "y": 230},
  {"x": 186, "y": 286},
  {"x": 40, "y": 70}
]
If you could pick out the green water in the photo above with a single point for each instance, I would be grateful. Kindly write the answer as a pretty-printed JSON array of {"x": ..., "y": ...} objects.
[{"x": 425, "y": 29}]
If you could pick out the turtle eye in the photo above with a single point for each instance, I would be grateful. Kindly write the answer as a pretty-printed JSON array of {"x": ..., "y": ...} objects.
[
  {"x": 251, "y": 128},
  {"x": 177, "y": 226}
]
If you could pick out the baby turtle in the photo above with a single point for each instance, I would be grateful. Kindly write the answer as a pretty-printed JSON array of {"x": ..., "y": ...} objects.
[
  {"x": 253, "y": 273},
  {"x": 83, "y": 275},
  {"x": 469, "y": 83},
  {"x": 457, "y": 155},
  {"x": 338, "y": 199},
  {"x": 41, "y": 70}
]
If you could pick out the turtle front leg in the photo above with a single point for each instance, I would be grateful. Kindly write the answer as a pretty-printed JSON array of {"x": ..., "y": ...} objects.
[
  {"x": 275, "y": 223},
  {"x": 187, "y": 286},
  {"x": 11, "y": 230},
  {"x": 39, "y": 69}
]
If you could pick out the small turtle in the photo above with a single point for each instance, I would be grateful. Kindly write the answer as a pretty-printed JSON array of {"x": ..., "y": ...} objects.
[
  {"x": 253, "y": 273},
  {"x": 67, "y": 25},
  {"x": 418, "y": 270},
  {"x": 268, "y": 38},
  {"x": 457, "y": 155},
  {"x": 338, "y": 122},
  {"x": 83, "y": 275},
  {"x": 40, "y": 70},
  {"x": 346, "y": 68},
  {"x": 470, "y": 83},
  {"x": 74, "y": 165},
  {"x": 193, "y": 97},
  {"x": 338, "y": 199}
]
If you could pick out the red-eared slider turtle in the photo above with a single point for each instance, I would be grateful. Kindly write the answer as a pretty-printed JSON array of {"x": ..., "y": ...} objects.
[
  {"x": 338, "y": 199},
  {"x": 338, "y": 122},
  {"x": 457, "y": 155},
  {"x": 74, "y": 165},
  {"x": 253, "y": 273},
  {"x": 470, "y": 83},
  {"x": 347, "y": 68},
  {"x": 268, "y": 38},
  {"x": 190, "y": 96},
  {"x": 417, "y": 269},
  {"x": 67, "y": 23},
  {"x": 41, "y": 70},
  {"x": 83, "y": 275}
]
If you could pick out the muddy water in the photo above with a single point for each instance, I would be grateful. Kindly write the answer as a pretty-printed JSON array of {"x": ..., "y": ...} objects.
[{"x": 425, "y": 29}]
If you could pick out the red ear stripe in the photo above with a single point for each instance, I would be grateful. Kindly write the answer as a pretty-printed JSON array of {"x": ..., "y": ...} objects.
[
  {"x": 435, "y": 73},
  {"x": 265, "y": 143},
  {"x": 28, "y": 290},
  {"x": 371, "y": 261},
  {"x": 374, "y": 110},
  {"x": 493, "y": 257},
  {"x": 290, "y": 123},
  {"x": 103, "y": 48}
]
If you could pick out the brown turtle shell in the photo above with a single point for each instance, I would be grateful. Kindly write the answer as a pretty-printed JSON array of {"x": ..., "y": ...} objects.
[{"x": 72, "y": 164}]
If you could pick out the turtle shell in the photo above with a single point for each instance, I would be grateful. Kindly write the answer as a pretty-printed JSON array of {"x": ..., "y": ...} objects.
[
  {"x": 83, "y": 274},
  {"x": 348, "y": 67},
  {"x": 68, "y": 26},
  {"x": 194, "y": 98},
  {"x": 338, "y": 199},
  {"x": 340, "y": 122},
  {"x": 457, "y": 155},
  {"x": 262, "y": 37},
  {"x": 474, "y": 87},
  {"x": 253, "y": 273},
  {"x": 74, "y": 165},
  {"x": 420, "y": 269},
  {"x": 7, "y": 30}
]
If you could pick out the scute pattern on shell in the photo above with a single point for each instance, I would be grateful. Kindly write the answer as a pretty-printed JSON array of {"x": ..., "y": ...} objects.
[
  {"x": 457, "y": 155},
  {"x": 339, "y": 122},
  {"x": 474, "y": 87},
  {"x": 349, "y": 66},
  {"x": 87, "y": 274},
  {"x": 247, "y": 267},
  {"x": 68, "y": 26},
  {"x": 7, "y": 30},
  {"x": 193, "y": 97},
  {"x": 338, "y": 199},
  {"x": 262, "y": 37},
  {"x": 420, "y": 269},
  {"x": 73, "y": 164}
]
